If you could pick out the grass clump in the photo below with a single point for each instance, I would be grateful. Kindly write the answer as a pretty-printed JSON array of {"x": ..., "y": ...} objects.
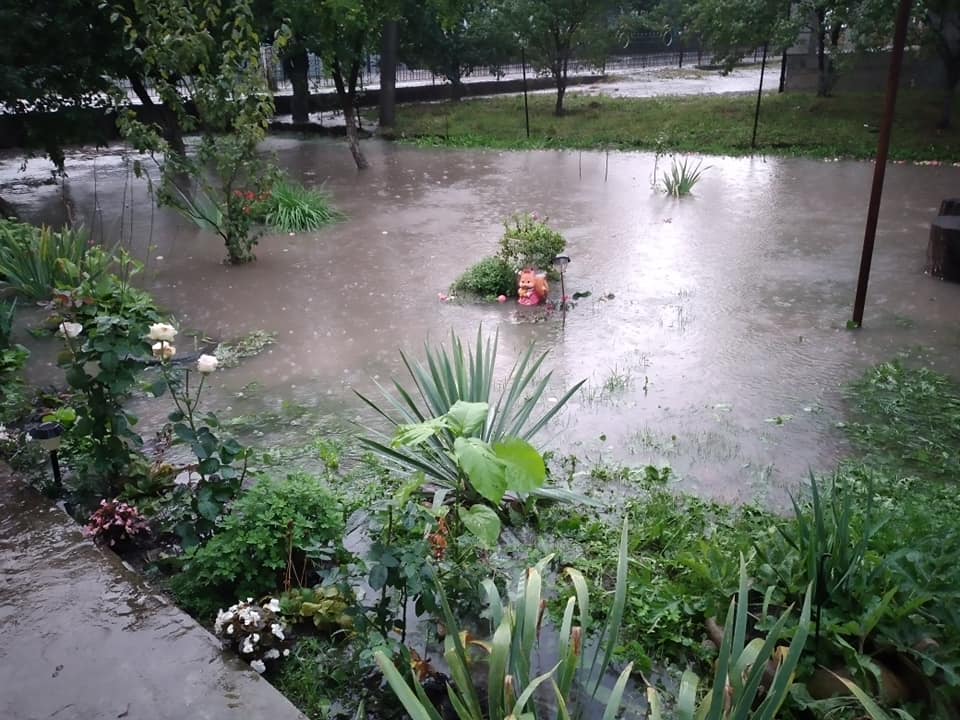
[
  {"x": 682, "y": 176},
  {"x": 291, "y": 207},
  {"x": 798, "y": 124}
]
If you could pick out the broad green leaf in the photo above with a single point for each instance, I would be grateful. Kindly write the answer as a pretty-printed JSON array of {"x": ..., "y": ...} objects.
[
  {"x": 482, "y": 522},
  {"x": 468, "y": 418},
  {"x": 486, "y": 473},
  {"x": 407, "y": 698},
  {"x": 419, "y": 433},
  {"x": 525, "y": 470}
]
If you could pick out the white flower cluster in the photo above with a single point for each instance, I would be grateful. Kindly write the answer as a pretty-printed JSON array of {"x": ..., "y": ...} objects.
[{"x": 256, "y": 631}]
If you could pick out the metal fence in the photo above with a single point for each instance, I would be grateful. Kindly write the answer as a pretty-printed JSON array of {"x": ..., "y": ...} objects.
[{"x": 645, "y": 50}]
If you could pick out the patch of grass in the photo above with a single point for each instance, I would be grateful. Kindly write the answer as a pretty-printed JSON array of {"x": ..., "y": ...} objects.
[
  {"x": 907, "y": 421},
  {"x": 292, "y": 207},
  {"x": 790, "y": 124}
]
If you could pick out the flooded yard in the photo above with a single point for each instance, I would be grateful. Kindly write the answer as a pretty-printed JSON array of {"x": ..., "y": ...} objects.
[{"x": 713, "y": 339}]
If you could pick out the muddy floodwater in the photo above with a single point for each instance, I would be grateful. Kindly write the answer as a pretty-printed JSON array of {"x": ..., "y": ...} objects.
[{"x": 713, "y": 340}]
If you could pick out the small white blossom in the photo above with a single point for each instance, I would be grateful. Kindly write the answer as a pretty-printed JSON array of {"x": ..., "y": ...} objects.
[
  {"x": 273, "y": 605},
  {"x": 207, "y": 364},
  {"x": 256, "y": 638},
  {"x": 70, "y": 329},
  {"x": 246, "y": 647},
  {"x": 286, "y": 652},
  {"x": 258, "y": 666},
  {"x": 4, "y": 435},
  {"x": 277, "y": 630},
  {"x": 271, "y": 654},
  {"x": 229, "y": 629},
  {"x": 163, "y": 332}
]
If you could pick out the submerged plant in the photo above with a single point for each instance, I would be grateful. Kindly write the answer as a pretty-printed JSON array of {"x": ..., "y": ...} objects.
[
  {"x": 460, "y": 374},
  {"x": 291, "y": 207},
  {"x": 681, "y": 177}
]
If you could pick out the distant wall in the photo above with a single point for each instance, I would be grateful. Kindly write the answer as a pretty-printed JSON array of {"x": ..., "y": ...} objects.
[
  {"x": 865, "y": 72},
  {"x": 99, "y": 126}
]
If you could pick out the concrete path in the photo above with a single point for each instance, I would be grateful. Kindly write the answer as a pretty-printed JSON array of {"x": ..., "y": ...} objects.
[{"x": 83, "y": 637}]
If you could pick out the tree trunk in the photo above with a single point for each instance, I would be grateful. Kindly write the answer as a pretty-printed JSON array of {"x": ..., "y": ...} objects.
[
  {"x": 560, "y": 77},
  {"x": 823, "y": 63},
  {"x": 952, "y": 72},
  {"x": 388, "y": 73},
  {"x": 943, "y": 250},
  {"x": 348, "y": 95},
  {"x": 296, "y": 65},
  {"x": 168, "y": 119}
]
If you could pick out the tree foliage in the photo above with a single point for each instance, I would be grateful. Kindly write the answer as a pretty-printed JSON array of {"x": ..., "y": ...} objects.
[{"x": 205, "y": 59}]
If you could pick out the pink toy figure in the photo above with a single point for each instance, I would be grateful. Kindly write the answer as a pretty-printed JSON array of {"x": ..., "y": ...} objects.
[{"x": 532, "y": 288}]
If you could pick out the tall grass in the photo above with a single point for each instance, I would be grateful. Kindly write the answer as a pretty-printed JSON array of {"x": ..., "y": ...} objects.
[
  {"x": 36, "y": 261},
  {"x": 681, "y": 177},
  {"x": 292, "y": 207}
]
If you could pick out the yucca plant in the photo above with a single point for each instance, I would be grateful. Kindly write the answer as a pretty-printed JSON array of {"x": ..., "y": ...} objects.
[
  {"x": 37, "y": 261},
  {"x": 742, "y": 667},
  {"x": 291, "y": 207},
  {"x": 682, "y": 176},
  {"x": 510, "y": 682},
  {"x": 466, "y": 374}
]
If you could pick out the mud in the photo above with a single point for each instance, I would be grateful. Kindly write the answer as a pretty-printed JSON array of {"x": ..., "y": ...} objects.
[
  {"x": 83, "y": 637},
  {"x": 723, "y": 351}
]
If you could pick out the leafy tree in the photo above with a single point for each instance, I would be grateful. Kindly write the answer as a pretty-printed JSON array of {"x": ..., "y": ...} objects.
[
  {"x": 346, "y": 31},
  {"x": 452, "y": 42},
  {"x": 941, "y": 23},
  {"x": 732, "y": 28},
  {"x": 205, "y": 57},
  {"x": 552, "y": 31}
]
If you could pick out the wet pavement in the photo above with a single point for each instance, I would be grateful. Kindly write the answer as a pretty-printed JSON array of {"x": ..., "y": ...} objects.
[
  {"x": 85, "y": 638},
  {"x": 722, "y": 353}
]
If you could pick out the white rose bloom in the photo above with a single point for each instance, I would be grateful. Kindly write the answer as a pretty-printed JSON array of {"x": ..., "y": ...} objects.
[
  {"x": 258, "y": 666},
  {"x": 162, "y": 332},
  {"x": 163, "y": 350},
  {"x": 207, "y": 364},
  {"x": 271, "y": 654},
  {"x": 277, "y": 630},
  {"x": 273, "y": 605},
  {"x": 70, "y": 329}
]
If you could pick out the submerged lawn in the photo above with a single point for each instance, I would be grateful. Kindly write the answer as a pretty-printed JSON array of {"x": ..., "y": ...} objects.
[{"x": 790, "y": 124}]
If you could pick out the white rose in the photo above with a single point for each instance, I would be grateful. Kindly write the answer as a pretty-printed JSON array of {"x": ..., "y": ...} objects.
[
  {"x": 207, "y": 364},
  {"x": 258, "y": 666},
  {"x": 70, "y": 329},
  {"x": 164, "y": 350},
  {"x": 273, "y": 605},
  {"x": 163, "y": 332}
]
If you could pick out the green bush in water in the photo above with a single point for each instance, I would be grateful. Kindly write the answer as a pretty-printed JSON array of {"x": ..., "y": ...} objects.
[
  {"x": 529, "y": 242},
  {"x": 490, "y": 277}
]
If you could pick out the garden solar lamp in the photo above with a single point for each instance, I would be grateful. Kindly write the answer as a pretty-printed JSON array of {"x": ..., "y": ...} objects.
[
  {"x": 560, "y": 262},
  {"x": 49, "y": 434}
]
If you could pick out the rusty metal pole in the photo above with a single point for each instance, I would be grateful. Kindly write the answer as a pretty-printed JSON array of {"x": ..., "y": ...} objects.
[
  {"x": 756, "y": 114},
  {"x": 883, "y": 147}
]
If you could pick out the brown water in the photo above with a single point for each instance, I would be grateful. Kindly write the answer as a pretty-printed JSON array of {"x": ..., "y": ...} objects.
[{"x": 723, "y": 351}]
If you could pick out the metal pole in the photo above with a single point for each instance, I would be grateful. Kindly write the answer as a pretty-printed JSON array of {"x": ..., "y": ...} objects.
[
  {"x": 526, "y": 106},
  {"x": 783, "y": 71},
  {"x": 883, "y": 147},
  {"x": 756, "y": 115},
  {"x": 55, "y": 466}
]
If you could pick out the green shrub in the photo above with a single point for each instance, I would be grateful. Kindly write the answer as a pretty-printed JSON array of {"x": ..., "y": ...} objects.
[
  {"x": 36, "y": 261},
  {"x": 275, "y": 520},
  {"x": 12, "y": 359},
  {"x": 490, "y": 277},
  {"x": 528, "y": 242},
  {"x": 291, "y": 207}
]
